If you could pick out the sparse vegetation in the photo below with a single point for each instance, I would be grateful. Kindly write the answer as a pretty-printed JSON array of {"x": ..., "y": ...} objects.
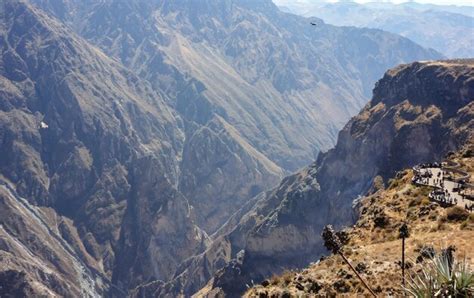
[
  {"x": 468, "y": 224},
  {"x": 415, "y": 202},
  {"x": 379, "y": 249},
  {"x": 393, "y": 183},
  {"x": 425, "y": 202},
  {"x": 333, "y": 243},
  {"x": 456, "y": 213},
  {"x": 441, "y": 276}
]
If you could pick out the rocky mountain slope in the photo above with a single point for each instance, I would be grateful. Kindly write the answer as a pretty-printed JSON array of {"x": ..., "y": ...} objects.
[
  {"x": 87, "y": 138},
  {"x": 281, "y": 88},
  {"x": 373, "y": 245},
  {"x": 450, "y": 30},
  {"x": 273, "y": 77},
  {"x": 121, "y": 147},
  {"x": 418, "y": 113}
]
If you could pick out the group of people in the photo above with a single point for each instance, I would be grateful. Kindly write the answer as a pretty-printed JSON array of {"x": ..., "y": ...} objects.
[
  {"x": 428, "y": 165},
  {"x": 422, "y": 178},
  {"x": 443, "y": 197},
  {"x": 427, "y": 174}
]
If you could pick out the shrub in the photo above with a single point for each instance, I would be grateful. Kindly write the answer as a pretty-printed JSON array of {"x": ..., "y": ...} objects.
[
  {"x": 313, "y": 286},
  {"x": 285, "y": 294},
  {"x": 425, "y": 202},
  {"x": 287, "y": 277},
  {"x": 411, "y": 214},
  {"x": 426, "y": 252},
  {"x": 467, "y": 153},
  {"x": 343, "y": 236},
  {"x": 468, "y": 224},
  {"x": 342, "y": 286},
  {"x": 425, "y": 191},
  {"x": 471, "y": 218},
  {"x": 456, "y": 213},
  {"x": 361, "y": 267},
  {"x": 442, "y": 219},
  {"x": 381, "y": 221},
  {"x": 393, "y": 183},
  {"x": 442, "y": 276},
  {"x": 414, "y": 202}
]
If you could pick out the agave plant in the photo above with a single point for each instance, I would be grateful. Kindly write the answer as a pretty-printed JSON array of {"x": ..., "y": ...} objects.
[{"x": 442, "y": 276}]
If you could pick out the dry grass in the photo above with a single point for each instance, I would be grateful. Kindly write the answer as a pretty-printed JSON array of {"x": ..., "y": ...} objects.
[{"x": 379, "y": 248}]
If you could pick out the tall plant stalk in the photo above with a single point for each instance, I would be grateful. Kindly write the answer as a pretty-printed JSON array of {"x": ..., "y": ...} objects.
[
  {"x": 333, "y": 243},
  {"x": 403, "y": 234}
]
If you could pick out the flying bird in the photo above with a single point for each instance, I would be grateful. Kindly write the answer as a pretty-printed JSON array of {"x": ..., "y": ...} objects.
[{"x": 313, "y": 23}]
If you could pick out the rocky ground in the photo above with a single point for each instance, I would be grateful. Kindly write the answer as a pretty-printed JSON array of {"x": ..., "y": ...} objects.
[{"x": 373, "y": 245}]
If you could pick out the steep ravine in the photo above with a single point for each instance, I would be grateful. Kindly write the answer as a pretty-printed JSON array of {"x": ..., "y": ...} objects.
[
  {"x": 281, "y": 88},
  {"x": 418, "y": 113}
]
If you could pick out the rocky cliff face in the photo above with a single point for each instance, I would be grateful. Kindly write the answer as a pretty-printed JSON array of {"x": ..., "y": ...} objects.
[
  {"x": 284, "y": 87},
  {"x": 418, "y": 113},
  {"x": 82, "y": 135}
]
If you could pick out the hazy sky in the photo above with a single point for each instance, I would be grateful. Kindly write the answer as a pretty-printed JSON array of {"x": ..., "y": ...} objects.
[{"x": 455, "y": 2}]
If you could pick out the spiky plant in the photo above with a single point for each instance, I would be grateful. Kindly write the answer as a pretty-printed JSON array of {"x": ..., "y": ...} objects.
[{"x": 442, "y": 276}]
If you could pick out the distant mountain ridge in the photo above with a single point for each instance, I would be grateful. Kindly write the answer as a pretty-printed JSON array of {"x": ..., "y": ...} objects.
[
  {"x": 448, "y": 29},
  {"x": 225, "y": 32}
]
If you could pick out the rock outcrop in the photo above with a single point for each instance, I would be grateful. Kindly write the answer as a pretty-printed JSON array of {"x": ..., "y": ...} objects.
[{"x": 419, "y": 112}]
